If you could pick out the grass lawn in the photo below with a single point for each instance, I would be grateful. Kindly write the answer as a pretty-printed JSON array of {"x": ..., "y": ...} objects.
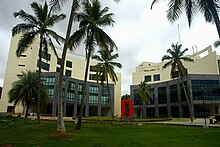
[{"x": 24, "y": 132}]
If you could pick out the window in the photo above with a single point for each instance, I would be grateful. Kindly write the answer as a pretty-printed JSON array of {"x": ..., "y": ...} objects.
[
  {"x": 23, "y": 55},
  {"x": 93, "y": 68},
  {"x": 93, "y": 94},
  {"x": 147, "y": 78},
  {"x": 58, "y": 61},
  {"x": 94, "y": 89},
  {"x": 21, "y": 65},
  {"x": 58, "y": 69},
  {"x": 105, "y": 96},
  {"x": 44, "y": 65},
  {"x": 50, "y": 93},
  {"x": 50, "y": 80},
  {"x": 46, "y": 55},
  {"x": 68, "y": 73},
  {"x": 94, "y": 77},
  {"x": 19, "y": 75},
  {"x": 105, "y": 100},
  {"x": 70, "y": 96},
  {"x": 173, "y": 94},
  {"x": 207, "y": 89},
  {"x": 162, "y": 95},
  {"x": 68, "y": 64},
  {"x": 157, "y": 77},
  {"x": 93, "y": 99}
]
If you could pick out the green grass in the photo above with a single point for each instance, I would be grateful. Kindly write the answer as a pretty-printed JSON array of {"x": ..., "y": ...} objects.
[{"x": 24, "y": 132}]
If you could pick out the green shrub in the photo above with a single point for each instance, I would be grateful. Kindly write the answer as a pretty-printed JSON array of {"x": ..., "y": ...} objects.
[{"x": 217, "y": 117}]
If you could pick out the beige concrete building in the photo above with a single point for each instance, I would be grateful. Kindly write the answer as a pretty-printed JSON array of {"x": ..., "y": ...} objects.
[
  {"x": 206, "y": 61},
  {"x": 168, "y": 99},
  {"x": 97, "y": 100}
]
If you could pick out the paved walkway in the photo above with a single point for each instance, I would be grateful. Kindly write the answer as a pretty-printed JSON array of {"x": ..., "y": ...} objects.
[{"x": 196, "y": 122}]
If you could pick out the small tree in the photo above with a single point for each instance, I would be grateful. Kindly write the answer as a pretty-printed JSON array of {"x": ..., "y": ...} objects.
[
  {"x": 25, "y": 90},
  {"x": 105, "y": 70},
  {"x": 144, "y": 95}
]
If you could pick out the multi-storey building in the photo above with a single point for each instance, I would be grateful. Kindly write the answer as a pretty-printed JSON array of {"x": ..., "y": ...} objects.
[
  {"x": 97, "y": 100},
  {"x": 168, "y": 98}
]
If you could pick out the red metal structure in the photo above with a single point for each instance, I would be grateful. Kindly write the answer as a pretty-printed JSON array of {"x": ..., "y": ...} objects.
[{"x": 130, "y": 108}]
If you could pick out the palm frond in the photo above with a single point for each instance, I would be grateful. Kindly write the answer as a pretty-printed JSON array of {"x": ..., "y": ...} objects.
[
  {"x": 22, "y": 27},
  {"x": 26, "y": 17},
  {"x": 24, "y": 42},
  {"x": 175, "y": 10},
  {"x": 55, "y": 19}
]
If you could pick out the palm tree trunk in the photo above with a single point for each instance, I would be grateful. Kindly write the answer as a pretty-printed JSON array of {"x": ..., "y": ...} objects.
[
  {"x": 60, "y": 121},
  {"x": 39, "y": 79},
  {"x": 188, "y": 102},
  {"x": 110, "y": 99},
  {"x": 215, "y": 15},
  {"x": 78, "y": 125},
  {"x": 26, "y": 112}
]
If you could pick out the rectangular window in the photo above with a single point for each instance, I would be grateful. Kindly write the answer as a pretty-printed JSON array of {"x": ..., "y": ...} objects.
[
  {"x": 68, "y": 64},
  {"x": 147, "y": 78},
  {"x": 93, "y": 68},
  {"x": 46, "y": 55},
  {"x": 44, "y": 65},
  {"x": 205, "y": 89},
  {"x": 21, "y": 65},
  {"x": 162, "y": 95},
  {"x": 23, "y": 55},
  {"x": 58, "y": 69},
  {"x": 173, "y": 94},
  {"x": 68, "y": 73},
  {"x": 19, "y": 75},
  {"x": 105, "y": 100},
  {"x": 58, "y": 61},
  {"x": 157, "y": 77}
]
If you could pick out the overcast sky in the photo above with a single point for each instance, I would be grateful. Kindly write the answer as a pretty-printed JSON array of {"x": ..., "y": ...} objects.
[{"x": 141, "y": 34}]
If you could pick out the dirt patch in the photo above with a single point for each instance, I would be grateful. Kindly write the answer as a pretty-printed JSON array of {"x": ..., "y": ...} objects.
[{"x": 60, "y": 135}]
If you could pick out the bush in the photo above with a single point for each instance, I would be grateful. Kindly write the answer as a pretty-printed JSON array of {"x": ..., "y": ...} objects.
[{"x": 217, "y": 117}]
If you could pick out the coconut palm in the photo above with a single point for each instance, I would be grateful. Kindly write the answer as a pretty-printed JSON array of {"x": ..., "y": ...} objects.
[
  {"x": 74, "y": 6},
  {"x": 144, "y": 94},
  {"x": 36, "y": 25},
  {"x": 105, "y": 70},
  {"x": 175, "y": 61},
  {"x": 24, "y": 91},
  {"x": 209, "y": 8},
  {"x": 90, "y": 20}
]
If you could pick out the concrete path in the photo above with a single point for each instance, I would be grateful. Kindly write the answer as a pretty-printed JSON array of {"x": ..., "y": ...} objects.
[{"x": 196, "y": 122}]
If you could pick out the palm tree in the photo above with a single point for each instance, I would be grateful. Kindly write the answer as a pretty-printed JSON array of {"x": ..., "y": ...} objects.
[
  {"x": 105, "y": 69},
  {"x": 175, "y": 61},
  {"x": 144, "y": 94},
  {"x": 90, "y": 20},
  {"x": 209, "y": 8},
  {"x": 34, "y": 25},
  {"x": 58, "y": 4},
  {"x": 24, "y": 91}
]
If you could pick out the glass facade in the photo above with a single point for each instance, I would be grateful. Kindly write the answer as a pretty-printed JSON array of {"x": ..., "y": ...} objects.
[
  {"x": 206, "y": 89},
  {"x": 173, "y": 94},
  {"x": 49, "y": 82},
  {"x": 93, "y": 94},
  {"x": 152, "y": 99},
  {"x": 105, "y": 97},
  {"x": 71, "y": 91},
  {"x": 162, "y": 95}
]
